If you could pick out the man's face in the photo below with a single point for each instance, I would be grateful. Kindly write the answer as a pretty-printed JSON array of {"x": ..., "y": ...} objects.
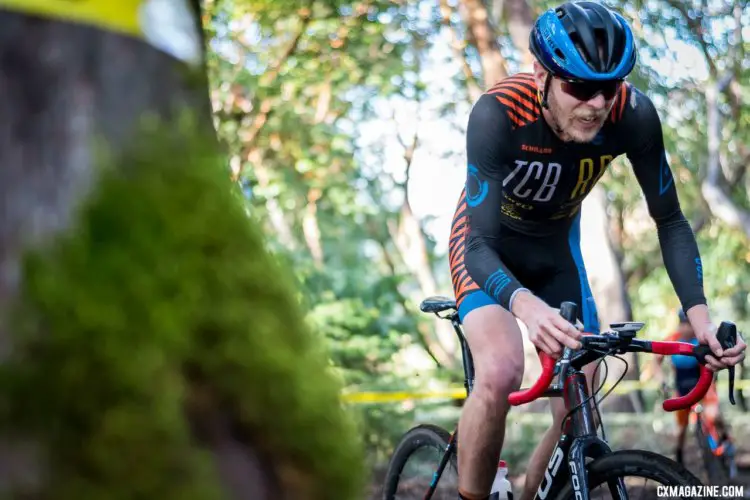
[{"x": 575, "y": 119}]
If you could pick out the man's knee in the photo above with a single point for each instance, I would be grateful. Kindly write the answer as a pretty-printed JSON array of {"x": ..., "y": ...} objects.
[{"x": 497, "y": 380}]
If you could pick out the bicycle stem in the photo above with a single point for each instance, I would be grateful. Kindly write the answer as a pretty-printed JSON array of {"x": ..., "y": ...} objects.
[{"x": 564, "y": 364}]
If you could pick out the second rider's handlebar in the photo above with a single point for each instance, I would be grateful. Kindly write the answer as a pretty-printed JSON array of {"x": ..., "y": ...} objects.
[{"x": 623, "y": 340}]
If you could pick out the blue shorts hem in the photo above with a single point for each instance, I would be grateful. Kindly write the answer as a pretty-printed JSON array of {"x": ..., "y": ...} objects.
[{"x": 473, "y": 301}]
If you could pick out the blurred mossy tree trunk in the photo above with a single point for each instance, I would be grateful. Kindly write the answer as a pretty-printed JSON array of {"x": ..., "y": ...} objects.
[{"x": 143, "y": 323}]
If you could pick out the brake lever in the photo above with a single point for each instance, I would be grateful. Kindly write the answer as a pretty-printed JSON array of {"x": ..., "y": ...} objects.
[{"x": 727, "y": 337}]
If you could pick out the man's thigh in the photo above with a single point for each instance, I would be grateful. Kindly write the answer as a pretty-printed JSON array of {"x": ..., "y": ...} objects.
[{"x": 494, "y": 340}]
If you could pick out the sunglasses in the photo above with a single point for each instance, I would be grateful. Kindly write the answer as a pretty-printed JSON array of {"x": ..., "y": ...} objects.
[{"x": 584, "y": 90}]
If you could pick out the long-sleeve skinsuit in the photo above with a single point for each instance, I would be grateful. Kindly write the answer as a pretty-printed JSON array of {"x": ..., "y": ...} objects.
[{"x": 517, "y": 224}]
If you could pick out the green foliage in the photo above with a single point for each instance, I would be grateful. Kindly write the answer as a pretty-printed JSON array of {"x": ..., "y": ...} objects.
[
  {"x": 319, "y": 79},
  {"x": 158, "y": 312},
  {"x": 680, "y": 99},
  {"x": 323, "y": 79}
]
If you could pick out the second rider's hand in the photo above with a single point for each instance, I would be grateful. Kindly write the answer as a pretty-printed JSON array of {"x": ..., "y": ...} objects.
[{"x": 548, "y": 330}]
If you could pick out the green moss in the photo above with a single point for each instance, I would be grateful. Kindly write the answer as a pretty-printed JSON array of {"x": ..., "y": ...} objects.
[{"x": 164, "y": 297}]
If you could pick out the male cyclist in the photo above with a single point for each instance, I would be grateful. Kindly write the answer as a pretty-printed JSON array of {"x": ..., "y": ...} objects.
[
  {"x": 686, "y": 374},
  {"x": 536, "y": 145}
]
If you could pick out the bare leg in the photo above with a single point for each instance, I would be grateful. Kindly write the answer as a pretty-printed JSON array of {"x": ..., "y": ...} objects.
[{"x": 497, "y": 349}]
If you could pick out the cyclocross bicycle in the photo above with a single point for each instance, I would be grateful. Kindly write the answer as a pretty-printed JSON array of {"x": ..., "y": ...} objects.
[
  {"x": 716, "y": 457},
  {"x": 582, "y": 460}
]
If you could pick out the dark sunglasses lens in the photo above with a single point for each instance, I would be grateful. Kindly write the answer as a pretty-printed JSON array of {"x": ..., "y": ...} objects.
[
  {"x": 583, "y": 91},
  {"x": 609, "y": 89}
]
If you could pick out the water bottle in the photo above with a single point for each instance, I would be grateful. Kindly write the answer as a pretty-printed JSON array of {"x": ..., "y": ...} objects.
[{"x": 501, "y": 487}]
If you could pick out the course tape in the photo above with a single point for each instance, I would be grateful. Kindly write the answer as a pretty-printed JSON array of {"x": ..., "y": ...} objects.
[
  {"x": 624, "y": 387},
  {"x": 168, "y": 25}
]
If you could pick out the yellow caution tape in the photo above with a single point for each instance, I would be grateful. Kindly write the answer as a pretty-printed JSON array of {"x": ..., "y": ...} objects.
[
  {"x": 624, "y": 387},
  {"x": 389, "y": 397},
  {"x": 113, "y": 15},
  {"x": 168, "y": 25}
]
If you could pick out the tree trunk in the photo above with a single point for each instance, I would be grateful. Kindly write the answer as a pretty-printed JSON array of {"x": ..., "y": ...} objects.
[
  {"x": 421, "y": 331},
  {"x": 279, "y": 222},
  {"x": 608, "y": 287},
  {"x": 459, "y": 50},
  {"x": 311, "y": 228},
  {"x": 410, "y": 241},
  {"x": 64, "y": 85},
  {"x": 323, "y": 105},
  {"x": 519, "y": 19},
  {"x": 47, "y": 162},
  {"x": 719, "y": 202},
  {"x": 483, "y": 37}
]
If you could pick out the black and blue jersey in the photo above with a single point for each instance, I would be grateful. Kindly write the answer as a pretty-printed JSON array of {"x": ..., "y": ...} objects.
[{"x": 517, "y": 224}]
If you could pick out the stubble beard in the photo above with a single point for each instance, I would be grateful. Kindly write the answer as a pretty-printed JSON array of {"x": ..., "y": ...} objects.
[{"x": 565, "y": 128}]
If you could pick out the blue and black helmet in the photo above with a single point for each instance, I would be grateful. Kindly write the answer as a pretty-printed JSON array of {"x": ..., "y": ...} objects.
[{"x": 583, "y": 41}]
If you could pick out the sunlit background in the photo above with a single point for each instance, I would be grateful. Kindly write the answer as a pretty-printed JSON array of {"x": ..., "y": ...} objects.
[{"x": 345, "y": 121}]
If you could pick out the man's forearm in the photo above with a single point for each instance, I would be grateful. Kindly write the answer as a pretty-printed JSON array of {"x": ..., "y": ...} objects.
[{"x": 682, "y": 260}]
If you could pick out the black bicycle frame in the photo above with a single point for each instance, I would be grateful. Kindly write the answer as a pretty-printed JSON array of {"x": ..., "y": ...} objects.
[{"x": 578, "y": 442}]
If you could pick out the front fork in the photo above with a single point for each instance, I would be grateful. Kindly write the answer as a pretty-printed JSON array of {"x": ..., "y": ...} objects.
[{"x": 579, "y": 441}]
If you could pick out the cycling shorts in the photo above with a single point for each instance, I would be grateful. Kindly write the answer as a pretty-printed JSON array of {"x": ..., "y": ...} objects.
[{"x": 551, "y": 267}]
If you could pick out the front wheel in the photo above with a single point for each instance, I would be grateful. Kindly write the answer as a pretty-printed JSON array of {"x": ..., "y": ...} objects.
[
  {"x": 636, "y": 468},
  {"x": 414, "y": 463}
]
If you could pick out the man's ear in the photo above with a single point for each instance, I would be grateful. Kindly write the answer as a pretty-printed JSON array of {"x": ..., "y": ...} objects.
[{"x": 540, "y": 74}]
